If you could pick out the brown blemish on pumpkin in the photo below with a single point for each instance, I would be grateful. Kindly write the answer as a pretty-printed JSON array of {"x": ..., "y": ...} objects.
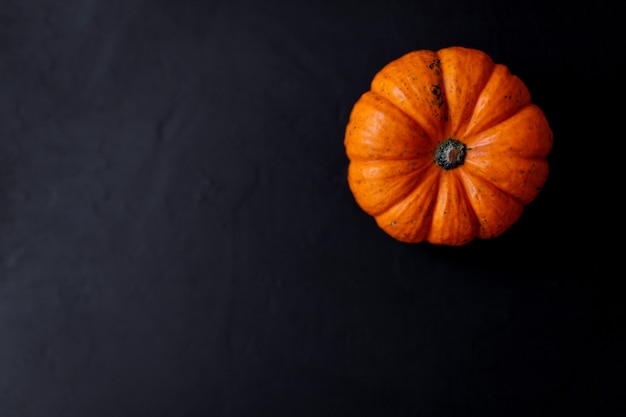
[
  {"x": 435, "y": 66},
  {"x": 435, "y": 89}
]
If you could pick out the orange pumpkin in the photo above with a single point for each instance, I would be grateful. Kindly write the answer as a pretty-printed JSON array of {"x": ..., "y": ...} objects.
[{"x": 446, "y": 147}]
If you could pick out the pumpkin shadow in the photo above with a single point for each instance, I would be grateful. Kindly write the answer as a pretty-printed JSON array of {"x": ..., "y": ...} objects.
[{"x": 527, "y": 249}]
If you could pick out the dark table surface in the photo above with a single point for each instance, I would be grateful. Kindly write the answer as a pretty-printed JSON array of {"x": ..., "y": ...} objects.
[{"x": 177, "y": 237}]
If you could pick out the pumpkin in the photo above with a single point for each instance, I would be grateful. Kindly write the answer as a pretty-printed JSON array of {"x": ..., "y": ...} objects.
[{"x": 446, "y": 147}]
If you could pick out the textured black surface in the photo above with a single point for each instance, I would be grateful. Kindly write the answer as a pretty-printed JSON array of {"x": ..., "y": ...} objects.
[{"x": 177, "y": 237}]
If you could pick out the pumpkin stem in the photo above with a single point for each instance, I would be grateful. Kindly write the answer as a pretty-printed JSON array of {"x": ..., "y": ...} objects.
[{"x": 450, "y": 154}]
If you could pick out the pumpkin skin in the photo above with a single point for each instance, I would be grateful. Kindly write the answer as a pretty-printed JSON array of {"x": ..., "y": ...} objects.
[{"x": 446, "y": 147}]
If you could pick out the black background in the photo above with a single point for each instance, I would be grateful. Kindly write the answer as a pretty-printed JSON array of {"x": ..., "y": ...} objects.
[{"x": 177, "y": 237}]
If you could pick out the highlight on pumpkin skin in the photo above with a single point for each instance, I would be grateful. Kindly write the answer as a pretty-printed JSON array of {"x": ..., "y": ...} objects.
[
  {"x": 462, "y": 88},
  {"x": 446, "y": 147},
  {"x": 525, "y": 134},
  {"x": 380, "y": 130},
  {"x": 512, "y": 155},
  {"x": 502, "y": 96},
  {"x": 454, "y": 221},
  {"x": 410, "y": 219},
  {"x": 378, "y": 185},
  {"x": 423, "y": 100},
  {"x": 495, "y": 210}
]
